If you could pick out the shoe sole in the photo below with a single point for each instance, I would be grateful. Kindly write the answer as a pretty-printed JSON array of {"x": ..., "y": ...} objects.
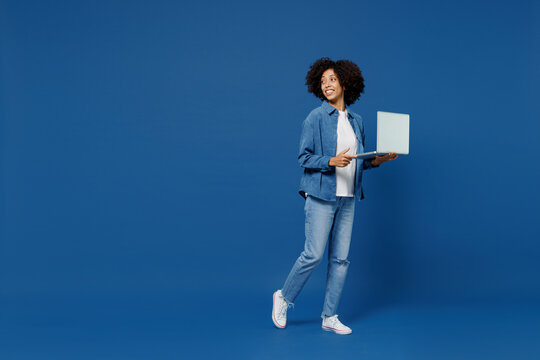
[
  {"x": 273, "y": 312},
  {"x": 339, "y": 332}
]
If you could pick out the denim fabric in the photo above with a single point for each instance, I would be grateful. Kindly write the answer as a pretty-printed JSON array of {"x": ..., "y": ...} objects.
[
  {"x": 325, "y": 220},
  {"x": 318, "y": 144}
]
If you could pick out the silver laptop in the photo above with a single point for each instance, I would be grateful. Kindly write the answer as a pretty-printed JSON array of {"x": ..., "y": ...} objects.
[{"x": 392, "y": 135}]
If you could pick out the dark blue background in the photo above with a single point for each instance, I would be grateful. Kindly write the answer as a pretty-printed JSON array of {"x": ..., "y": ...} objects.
[{"x": 149, "y": 203}]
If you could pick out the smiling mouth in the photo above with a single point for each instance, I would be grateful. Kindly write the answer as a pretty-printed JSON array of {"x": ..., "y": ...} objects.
[{"x": 329, "y": 92}]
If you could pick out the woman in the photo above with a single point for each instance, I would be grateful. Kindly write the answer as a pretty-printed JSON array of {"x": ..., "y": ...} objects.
[{"x": 332, "y": 179}]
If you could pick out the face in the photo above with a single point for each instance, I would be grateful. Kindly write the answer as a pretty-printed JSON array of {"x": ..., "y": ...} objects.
[{"x": 330, "y": 86}]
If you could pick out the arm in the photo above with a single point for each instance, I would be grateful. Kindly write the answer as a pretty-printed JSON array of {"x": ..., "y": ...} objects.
[
  {"x": 306, "y": 157},
  {"x": 368, "y": 164}
]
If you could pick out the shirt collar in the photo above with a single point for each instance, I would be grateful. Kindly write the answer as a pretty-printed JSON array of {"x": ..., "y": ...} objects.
[{"x": 330, "y": 109}]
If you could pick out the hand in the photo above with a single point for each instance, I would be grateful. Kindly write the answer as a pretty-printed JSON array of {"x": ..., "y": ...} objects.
[
  {"x": 379, "y": 159},
  {"x": 341, "y": 159}
]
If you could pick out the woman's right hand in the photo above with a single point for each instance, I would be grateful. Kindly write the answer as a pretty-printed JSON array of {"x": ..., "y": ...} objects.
[{"x": 341, "y": 159}]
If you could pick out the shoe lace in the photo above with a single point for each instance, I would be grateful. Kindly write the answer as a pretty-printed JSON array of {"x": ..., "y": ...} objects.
[
  {"x": 333, "y": 321},
  {"x": 282, "y": 307}
]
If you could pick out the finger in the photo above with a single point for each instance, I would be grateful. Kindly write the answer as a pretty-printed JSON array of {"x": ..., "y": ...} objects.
[{"x": 344, "y": 151}]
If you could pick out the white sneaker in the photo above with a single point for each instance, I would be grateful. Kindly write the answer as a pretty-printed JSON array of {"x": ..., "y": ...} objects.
[
  {"x": 279, "y": 310},
  {"x": 332, "y": 323}
]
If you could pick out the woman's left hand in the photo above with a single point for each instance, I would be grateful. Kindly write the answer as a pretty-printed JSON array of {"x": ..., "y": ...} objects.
[{"x": 379, "y": 159}]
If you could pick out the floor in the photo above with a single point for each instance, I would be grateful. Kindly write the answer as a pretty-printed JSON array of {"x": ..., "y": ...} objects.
[{"x": 166, "y": 326}]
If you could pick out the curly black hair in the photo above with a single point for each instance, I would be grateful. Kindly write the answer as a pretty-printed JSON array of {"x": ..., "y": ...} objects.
[{"x": 349, "y": 75}]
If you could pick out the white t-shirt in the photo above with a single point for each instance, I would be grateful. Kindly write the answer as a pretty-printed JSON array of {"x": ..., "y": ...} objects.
[{"x": 345, "y": 138}]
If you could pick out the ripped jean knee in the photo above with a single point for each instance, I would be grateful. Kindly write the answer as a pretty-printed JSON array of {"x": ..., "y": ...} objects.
[{"x": 344, "y": 262}]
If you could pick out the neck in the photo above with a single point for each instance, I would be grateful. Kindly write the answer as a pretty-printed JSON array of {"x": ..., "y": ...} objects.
[{"x": 338, "y": 104}]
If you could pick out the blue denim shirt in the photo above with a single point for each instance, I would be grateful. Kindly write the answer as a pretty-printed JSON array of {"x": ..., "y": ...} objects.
[{"x": 318, "y": 144}]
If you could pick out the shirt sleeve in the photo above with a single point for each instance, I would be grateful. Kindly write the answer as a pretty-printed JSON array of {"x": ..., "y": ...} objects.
[{"x": 306, "y": 156}]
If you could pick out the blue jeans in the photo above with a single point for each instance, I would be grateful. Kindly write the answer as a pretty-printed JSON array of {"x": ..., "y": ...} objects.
[{"x": 324, "y": 220}]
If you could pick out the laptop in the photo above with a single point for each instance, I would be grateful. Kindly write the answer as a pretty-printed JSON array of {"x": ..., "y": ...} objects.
[{"x": 392, "y": 135}]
